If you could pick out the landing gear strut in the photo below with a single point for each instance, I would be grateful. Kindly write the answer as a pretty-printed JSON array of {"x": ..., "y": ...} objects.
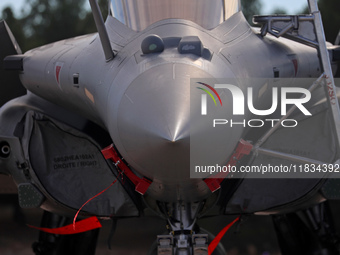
[{"x": 184, "y": 237}]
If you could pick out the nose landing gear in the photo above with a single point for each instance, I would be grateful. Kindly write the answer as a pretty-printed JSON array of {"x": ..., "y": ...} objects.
[{"x": 185, "y": 237}]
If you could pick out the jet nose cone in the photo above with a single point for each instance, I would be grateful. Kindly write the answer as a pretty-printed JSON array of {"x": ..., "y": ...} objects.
[
  {"x": 157, "y": 132},
  {"x": 154, "y": 122}
]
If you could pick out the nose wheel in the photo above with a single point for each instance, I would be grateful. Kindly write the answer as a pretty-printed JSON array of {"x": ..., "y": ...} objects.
[
  {"x": 185, "y": 237},
  {"x": 182, "y": 244}
]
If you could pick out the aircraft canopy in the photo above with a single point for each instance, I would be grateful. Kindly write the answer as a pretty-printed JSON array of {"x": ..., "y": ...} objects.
[{"x": 139, "y": 14}]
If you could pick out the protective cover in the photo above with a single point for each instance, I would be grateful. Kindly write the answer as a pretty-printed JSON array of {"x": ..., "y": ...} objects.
[
  {"x": 70, "y": 167},
  {"x": 318, "y": 143}
]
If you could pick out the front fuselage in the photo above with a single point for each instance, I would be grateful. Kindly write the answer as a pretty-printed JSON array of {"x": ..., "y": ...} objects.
[{"x": 143, "y": 99}]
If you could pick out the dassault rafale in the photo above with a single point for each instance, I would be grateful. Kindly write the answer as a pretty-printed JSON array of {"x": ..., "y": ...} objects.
[{"x": 182, "y": 110}]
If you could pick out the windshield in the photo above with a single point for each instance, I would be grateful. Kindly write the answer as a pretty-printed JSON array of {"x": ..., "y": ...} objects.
[{"x": 139, "y": 14}]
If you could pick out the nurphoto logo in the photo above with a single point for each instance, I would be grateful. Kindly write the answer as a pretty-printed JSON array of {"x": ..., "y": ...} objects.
[{"x": 238, "y": 104}]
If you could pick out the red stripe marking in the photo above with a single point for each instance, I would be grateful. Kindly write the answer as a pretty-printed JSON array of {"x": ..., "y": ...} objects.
[{"x": 57, "y": 72}]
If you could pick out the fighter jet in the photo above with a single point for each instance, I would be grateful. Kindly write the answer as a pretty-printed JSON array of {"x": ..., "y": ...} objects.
[{"x": 181, "y": 109}]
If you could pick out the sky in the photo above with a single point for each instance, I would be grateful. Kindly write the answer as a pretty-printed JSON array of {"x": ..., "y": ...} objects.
[
  {"x": 291, "y": 6},
  {"x": 15, "y": 4}
]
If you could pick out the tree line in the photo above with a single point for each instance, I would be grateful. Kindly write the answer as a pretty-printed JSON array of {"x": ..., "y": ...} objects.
[{"x": 48, "y": 21}]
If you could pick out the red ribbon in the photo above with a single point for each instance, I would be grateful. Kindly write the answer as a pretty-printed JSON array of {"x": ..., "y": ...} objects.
[
  {"x": 81, "y": 226},
  {"x": 212, "y": 246},
  {"x": 75, "y": 217}
]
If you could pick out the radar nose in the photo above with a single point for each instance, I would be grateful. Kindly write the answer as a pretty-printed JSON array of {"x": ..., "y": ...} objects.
[{"x": 154, "y": 121}]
